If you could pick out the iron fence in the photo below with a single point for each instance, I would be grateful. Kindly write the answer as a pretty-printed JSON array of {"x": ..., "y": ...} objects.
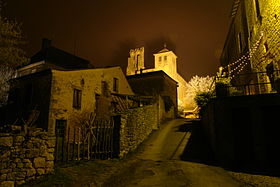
[
  {"x": 250, "y": 84},
  {"x": 95, "y": 142}
]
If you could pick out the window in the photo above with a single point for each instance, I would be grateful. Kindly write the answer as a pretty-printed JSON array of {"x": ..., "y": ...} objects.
[
  {"x": 258, "y": 12},
  {"x": 116, "y": 85},
  {"x": 77, "y": 98},
  {"x": 165, "y": 58},
  {"x": 266, "y": 47},
  {"x": 137, "y": 60},
  {"x": 159, "y": 59},
  {"x": 105, "y": 90},
  {"x": 240, "y": 42}
]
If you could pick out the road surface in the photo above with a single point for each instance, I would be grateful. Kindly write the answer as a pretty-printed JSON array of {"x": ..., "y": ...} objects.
[{"x": 160, "y": 160}]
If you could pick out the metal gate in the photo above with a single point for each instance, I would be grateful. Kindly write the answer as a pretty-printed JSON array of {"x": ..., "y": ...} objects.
[{"x": 95, "y": 141}]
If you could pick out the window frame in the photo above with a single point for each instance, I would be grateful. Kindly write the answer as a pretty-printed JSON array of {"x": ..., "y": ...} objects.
[
  {"x": 77, "y": 98},
  {"x": 115, "y": 84}
]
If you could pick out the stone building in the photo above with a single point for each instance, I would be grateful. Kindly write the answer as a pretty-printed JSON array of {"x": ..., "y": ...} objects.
[
  {"x": 61, "y": 95},
  {"x": 242, "y": 130},
  {"x": 60, "y": 85},
  {"x": 165, "y": 60},
  {"x": 159, "y": 85},
  {"x": 252, "y": 45},
  {"x": 83, "y": 106}
]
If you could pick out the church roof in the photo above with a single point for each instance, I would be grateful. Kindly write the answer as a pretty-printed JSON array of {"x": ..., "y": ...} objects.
[{"x": 164, "y": 50}]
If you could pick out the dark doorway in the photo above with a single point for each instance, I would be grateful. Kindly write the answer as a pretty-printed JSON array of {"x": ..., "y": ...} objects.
[
  {"x": 60, "y": 128},
  {"x": 116, "y": 136}
]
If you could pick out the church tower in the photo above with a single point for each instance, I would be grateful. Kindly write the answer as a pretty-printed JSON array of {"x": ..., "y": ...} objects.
[
  {"x": 166, "y": 60},
  {"x": 135, "y": 61}
]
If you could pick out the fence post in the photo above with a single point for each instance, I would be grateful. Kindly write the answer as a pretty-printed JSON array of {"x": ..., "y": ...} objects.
[
  {"x": 68, "y": 144},
  {"x": 88, "y": 148},
  {"x": 79, "y": 138},
  {"x": 84, "y": 145},
  {"x": 74, "y": 143}
]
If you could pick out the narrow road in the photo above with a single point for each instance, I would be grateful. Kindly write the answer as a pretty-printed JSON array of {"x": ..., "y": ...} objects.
[{"x": 161, "y": 160}]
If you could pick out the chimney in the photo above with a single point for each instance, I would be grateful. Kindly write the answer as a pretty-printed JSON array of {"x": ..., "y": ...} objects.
[{"x": 46, "y": 43}]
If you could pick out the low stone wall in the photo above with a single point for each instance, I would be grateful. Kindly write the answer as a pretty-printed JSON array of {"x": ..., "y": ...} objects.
[
  {"x": 136, "y": 125},
  {"x": 25, "y": 157}
]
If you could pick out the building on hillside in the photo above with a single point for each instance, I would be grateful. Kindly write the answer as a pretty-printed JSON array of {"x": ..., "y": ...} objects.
[
  {"x": 92, "y": 111},
  {"x": 242, "y": 130},
  {"x": 159, "y": 85},
  {"x": 61, "y": 95},
  {"x": 58, "y": 85},
  {"x": 165, "y": 60},
  {"x": 252, "y": 46}
]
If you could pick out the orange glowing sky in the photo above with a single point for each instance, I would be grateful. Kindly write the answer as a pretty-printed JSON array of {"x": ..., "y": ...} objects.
[{"x": 103, "y": 31}]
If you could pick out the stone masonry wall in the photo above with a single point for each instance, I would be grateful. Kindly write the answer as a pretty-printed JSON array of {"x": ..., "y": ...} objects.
[
  {"x": 136, "y": 125},
  {"x": 268, "y": 23},
  {"x": 25, "y": 157}
]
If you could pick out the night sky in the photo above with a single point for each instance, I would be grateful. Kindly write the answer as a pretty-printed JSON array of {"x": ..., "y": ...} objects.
[{"x": 103, "y": 31}]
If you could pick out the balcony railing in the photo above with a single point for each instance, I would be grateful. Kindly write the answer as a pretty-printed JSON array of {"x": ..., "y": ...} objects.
[{"x": 249, "y": 84}]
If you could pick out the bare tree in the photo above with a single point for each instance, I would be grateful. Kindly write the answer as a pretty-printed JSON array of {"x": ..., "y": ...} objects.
[
  {"x": 6, "y": 74},
  {"x": 197, "y": 85},
  {"x": 11, "y": 53}
]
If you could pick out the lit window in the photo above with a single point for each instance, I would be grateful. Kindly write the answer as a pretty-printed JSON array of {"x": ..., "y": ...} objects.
[
  {"x": 77, "y": 98},
  {"x": 116, "y": 85},
  {"x": 159, "y": 59},
  {"x": 165, "y": 58}
]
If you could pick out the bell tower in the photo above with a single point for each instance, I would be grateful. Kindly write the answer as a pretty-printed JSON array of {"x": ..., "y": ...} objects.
[
  {"x": 135, "y": 61},
  {"x": 166, "y": 61}
]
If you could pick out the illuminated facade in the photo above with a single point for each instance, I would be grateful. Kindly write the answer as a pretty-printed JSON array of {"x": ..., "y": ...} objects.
[
  {"x": 165, "y": 60},
  {"x": 253, "y": 44},
  {"x": 75, "y": 92},
  {"x": 61, "y": 85},
  {"x": 135, "y": 61},
  {"x": 61, "y": 95}
]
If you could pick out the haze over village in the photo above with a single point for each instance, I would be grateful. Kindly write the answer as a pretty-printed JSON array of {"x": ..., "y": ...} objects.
[{"x": 152, "y": 93}]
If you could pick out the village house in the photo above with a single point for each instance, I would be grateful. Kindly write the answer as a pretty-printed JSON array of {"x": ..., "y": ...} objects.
[
  {"x": 159, "y": 85},
  {"x": 251, "y": 54},
  {"x": 243, "y": 130},
  {"x": 92, "y": 112},
  {"x": 166, "y": 61},
  {"x": 62, "y": 109},
  {"x": 59, "y": 86}
]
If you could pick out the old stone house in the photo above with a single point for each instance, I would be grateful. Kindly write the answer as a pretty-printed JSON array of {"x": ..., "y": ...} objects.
[
  {"x": 243, "y": 130},
  {"x": 252, "y": 45},
  {"x": 60, "y": 85},
  {"x": 61, "y": 95},
  {"x": 165, "y": 60},
  {"x": 93, "y": 108},
  {"x": 159, "y": 85}
]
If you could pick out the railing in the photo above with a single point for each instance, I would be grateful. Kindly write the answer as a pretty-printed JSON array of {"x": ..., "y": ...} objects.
[{"x": 251, "y": 84}]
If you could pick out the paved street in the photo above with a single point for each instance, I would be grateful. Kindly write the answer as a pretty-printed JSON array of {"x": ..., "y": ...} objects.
[
  {"x": 161, "y": 160},
  {"x": 175, "y": 155}
]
